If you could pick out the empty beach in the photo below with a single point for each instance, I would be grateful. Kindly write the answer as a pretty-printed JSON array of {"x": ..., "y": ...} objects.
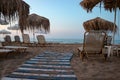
[{"x": 93, "y": 68}]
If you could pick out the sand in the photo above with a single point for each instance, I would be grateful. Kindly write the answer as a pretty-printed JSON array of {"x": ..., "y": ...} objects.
[{"x": 93, "y": 68}]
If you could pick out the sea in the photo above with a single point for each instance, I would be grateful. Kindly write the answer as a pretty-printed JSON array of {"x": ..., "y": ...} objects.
[
  {"x": 71, "y": 41},
  {"x": 67, "y": 41}
]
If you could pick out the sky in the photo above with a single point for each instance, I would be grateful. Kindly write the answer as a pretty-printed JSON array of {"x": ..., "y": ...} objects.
[{"x": 66, "y": 17}]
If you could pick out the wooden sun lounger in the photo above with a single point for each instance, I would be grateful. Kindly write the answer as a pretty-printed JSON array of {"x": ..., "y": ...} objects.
[
  {"x": 93, "y": 43},
  {"x": 17, "y": 48},
  {"x": 5, "y": 52}
]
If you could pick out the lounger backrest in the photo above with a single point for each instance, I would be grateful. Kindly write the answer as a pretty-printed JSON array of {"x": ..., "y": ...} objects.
[
  {"x": 7, "y": 38},
  {"x": 93, "y": 41},
  {"x": 26, "y": 38},
  {"x": 41, "y": 39},
  {"x": 17, "y": 38}
]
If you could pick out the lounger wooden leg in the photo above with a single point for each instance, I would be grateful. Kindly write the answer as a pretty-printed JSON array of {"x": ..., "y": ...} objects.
[
  {"x": 105, "y": 55},
  {"x": 78, "y": 52},
  {"x": 82, "y": 55}
]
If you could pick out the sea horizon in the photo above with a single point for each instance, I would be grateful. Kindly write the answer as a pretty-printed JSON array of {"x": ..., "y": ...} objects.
[
  {"x": 61, "y": 40},
  {"x": 67, "y": 41}
]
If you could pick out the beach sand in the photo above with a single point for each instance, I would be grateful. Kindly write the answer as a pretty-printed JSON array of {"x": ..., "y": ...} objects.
[{"x": 95, "y": 68}]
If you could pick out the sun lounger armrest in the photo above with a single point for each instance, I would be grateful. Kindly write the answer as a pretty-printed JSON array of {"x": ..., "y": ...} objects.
[
  {"x": 80, "y": 48},
  {"x": 78, "y": 51}
]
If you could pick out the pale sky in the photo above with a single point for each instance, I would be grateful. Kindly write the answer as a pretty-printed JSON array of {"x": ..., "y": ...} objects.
[{"x": 66, "y": 16}]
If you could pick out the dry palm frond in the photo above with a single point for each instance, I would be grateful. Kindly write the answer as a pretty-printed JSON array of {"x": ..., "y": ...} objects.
[{"x": 99, "y": 24}]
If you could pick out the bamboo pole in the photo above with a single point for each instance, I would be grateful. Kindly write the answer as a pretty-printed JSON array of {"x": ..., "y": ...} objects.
[{"x": 114, "y": 22}]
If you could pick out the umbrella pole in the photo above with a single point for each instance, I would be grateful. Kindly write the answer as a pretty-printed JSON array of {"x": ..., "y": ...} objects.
[
  {"x": 17, "y": 32},
  {"x": 114, "y": 26},
  {"x": 33, "y": 36}
]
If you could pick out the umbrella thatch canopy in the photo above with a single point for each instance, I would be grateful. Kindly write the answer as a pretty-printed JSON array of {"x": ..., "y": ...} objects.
[
  {"x": 108, "y": 4},
  {"x": 12, "y": 9},
  {"x": 9, "y": 8},
  {"x": 4, "y": 32},
  {"x": 3, "y": 22},
  {"x": 38, "y": 22},
  {"x": 99, "y": 24},
  {"x": 89, "y": 4},
  {"x": 111, "y": 4}
]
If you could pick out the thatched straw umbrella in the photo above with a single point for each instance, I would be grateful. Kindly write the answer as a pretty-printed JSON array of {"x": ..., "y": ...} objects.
[
  {"x": 111, "y": 4},
  {"x": 108, "y": 4},
  {"x": 9, "y": 8},
  {"x": 3, "y": 22},
  {"x": 38, "y": 22},
  {"x": 99, "y": 24},
  {"x": 12, "y": 9},
  {"x": 89, "y": 4}
]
